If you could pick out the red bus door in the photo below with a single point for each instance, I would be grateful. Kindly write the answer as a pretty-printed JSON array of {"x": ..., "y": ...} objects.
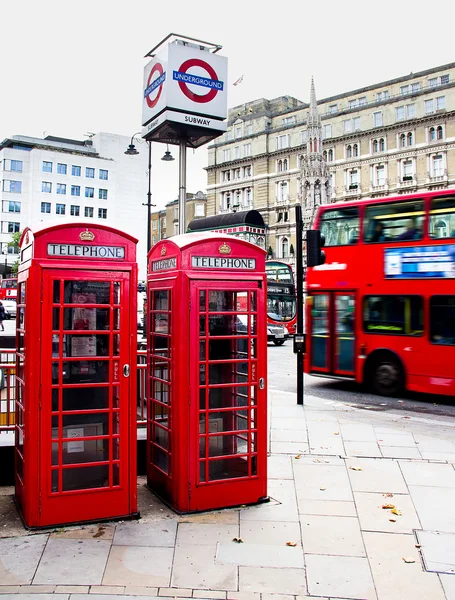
[
  {"x": 228, "y": 393},
  {"x": 332, "y": 333},
  {"x": 84, "y": 416}
]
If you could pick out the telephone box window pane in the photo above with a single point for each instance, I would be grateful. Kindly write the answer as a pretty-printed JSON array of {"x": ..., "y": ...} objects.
[
  {"x": 224, "y": 445},
  {"x": 21, "y": 318},
  {"x": 90, "y": 424},
  {"x": 202, "y": 374},
  {"x": 55, "y": 345},
  {"x": 161, "y": 323},
  {"x": 202, "y": 322},
  {"x": 85, "y": 371},
  {"x": 223, "y": 301},
  {"x": 228, "y": 373},
  {"x": 84, "y": 478},
  {"x": 85, "y": 399},
  {"x": 116, "y": 475},
  {"x": 84, "y": 451},
  {"x": 228, "y": 349},
  {"x": 160, "y": 391},
  {"x": 202, "y": 350},
  {"x": 87, "y": 345},
  {"x": 87, "y": 292},
  {"x": 20, "y": 339},
  {"x": 160, "y": 414},
  {"x": 228, "y": 468},
  {"x": 202, "y": 398},
  {"x": 54, "y": 400},
  {"x": 161, "y": 345},
  {"x": 161, "y": 300},
  {"x": 202, "y": 475},
  {"x": 55, "y": 318},
  {"x": 228, "y": 397},
  {"x": 86, "y": 318},
  {"x": 202, "y": 301},
  {"x": 56, "y": 295},
  {"x": 55, "y": 372},
  {"x": 116, "y": 423},
  {"x": 160, "y": 369},
  {"x": 230, "y": 420},
  {"x": 116, "y": 292},
  {"x": 22, "y": 293},
  {"x": 253, "y": 297},
  {"x": 160, "y": 459},
  {"x": 54, "y": 481},
  {"x": 116, "y": 319},
  {"x": 160, "y": 436},
  {"x": 55, "y": 427},
  {"x": 116, "y": 449},
  {"x": 55, "y": 454}
]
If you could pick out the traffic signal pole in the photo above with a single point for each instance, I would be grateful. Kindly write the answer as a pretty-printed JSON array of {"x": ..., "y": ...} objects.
[{"x": 299, "y": 340}]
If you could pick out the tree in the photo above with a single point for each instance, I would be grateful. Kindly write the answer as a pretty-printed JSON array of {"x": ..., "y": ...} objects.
[
  {"x": 291, "y": 250},
  {"x": 14, "y": 243},
  {"x": 270, "y": 252}
]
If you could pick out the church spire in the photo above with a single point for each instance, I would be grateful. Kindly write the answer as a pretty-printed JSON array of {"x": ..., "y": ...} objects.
[{"x": 313, "y": 103}]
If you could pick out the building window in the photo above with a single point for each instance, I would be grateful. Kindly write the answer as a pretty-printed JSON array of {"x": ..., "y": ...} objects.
[
  {"x": 155, "y": 225},
  {"x": 282, "y": 191},
  {"x": 355, "y": 150},
  {"x": 176, "y": 213},
  {"x": 60, "y": 209},
  {"x": 249, "y": 129},
  {"x": 406, "y": 139},
  {"x": 282, "y": 141},
  {"x": 61, "y": 169},
  {"x": 104, "y": 174},
  {"x": 382, "y": 95},
  {"x": 436, "y": 133},
  {"x": 225, "y": 201},
  {"x": 102, "y": 213},
  {"x": 440, "y": 102},
  {"x": 76, "y": 171},
  {"x": 237, "y": 152},
  {"x": 248, "y": 198},
  {"x": 102, "y": 194},
  {"x": 14, "y": 206},
  {"x": 47, "y": 167},
  {"x": 46, "y": 187},
  {"x": 289, "y": 120},
  {"x": 46, "y": 207},
  {"x": 13, "y": 227},
  {"x": 356, "y": 123},
  {"x": 377, "y": 119},
  {"x": 433, "y": 82},
  {"x": 330, "y": 155},
  {"x": 333, "y": 108},
  {"x": 75, "y": 190},
  {"x": 61, "y": 189},
  {"x": 15, "y": 187},
  {"x": 347, "y": 125},
  {"x": 226, "y": 155},
  {"x": 437, "y": 165},
  {"x": 247, "y": 171},
  {"x": 176, "y": 228},
  {"x": 284, "y": 247},
  {"x": 379, "y": 172},
  {"x": 88, "y": 211},
  {"x": 445, "y": 79},
  {"x": 303, "y": 137},
  {"x": 410, "y": 111},
  {"x": 399, "y": 113},
  {"x": 349, "y": 151},
  {"x": 74, "y": 210},
  {"x": 407, "y": 170},
  {"x": 13, "y": 165},
  {"x": 327, "y": 131},
  {"x": 353, "y": 179},
  {"x": 238, "y": 132},
  {"x": 90, "y": 172},
  {"x": 199, "y": 210},
  {"x": 429, "y": 106},
  {"x": 89, "y": 192},
  {"x": 247, "y": 150}
]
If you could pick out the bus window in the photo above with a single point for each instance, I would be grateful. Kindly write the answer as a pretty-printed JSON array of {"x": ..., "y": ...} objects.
[
  {"x": 280, "y": 307},
  {"x": 397, "y": 221},
  {"x": 442, "y": 217},
  {"x": 442, "y": 320},
  {"x": 341, "y": 226},
  {"x": 393, "y": 315}
]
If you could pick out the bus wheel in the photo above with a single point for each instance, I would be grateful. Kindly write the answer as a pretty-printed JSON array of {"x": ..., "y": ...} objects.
[
  {"x": 278, "y": 342},
  {"x": 387, "y": 377}
]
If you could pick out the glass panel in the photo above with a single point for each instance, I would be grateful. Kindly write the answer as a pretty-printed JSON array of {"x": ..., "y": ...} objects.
[
  {"x": 231, "y": 325},
  {"x": 116, "y": 319},
  {"x": 87, "y": 292},
  {"x": 393, "y": 315},
  {"x": 341, "y": 226},
  {"x": 160, "y": 414},
  {"x": 394, "y": 221},
  {"x": 228, "y": 373},
  {"x": 160, "y": 323},
  {"x": 55, "y": 346},
  {"x": 117, "y": 292},
  {"x": 55, "y": 318},
  {"x": 91, "y": 398},
  {"x": 116, "y": 449},
  {"x": 202, "y": 350},
  {"x": 22, "y": 293},
  {"x": 221, "y": 445},
  {"x": 442, "y": 320},
  {"x": 202, "y": 325},
  {"x": 228, "y": 397},
  {"x": 56, "y": 293},
  {"x": 86, "y": 318},
  {"x": 160, "y": 459},
  {"x": 116, "y": 474},
  {"x": 55, "y": 453},
  {"x": 116, "y": 344},
  {"x": 344, "y": 325},
  {"x": 160, "y": 300},
  {"x": 86, "y": 345},
  {"x": 228, "y": 468},
  {"x": 115, "y": 396},
  {"x": 320, "y": 330},
  {"x": 202, "y": 301},
  {"x": 161, "y": 345},
  {"x": 442, "y": 218},
  {"x": 84, "y": 451},
  {"x": 21, "y": 341},
  {"x": 202, "y": 398},
  {"x": 160, "y": 436},
  {"x": 55, "y": 481},
  {"x": 202, "y": 475},
  {"x": 116, "y": 423},
  {"x": 85, "y": 478},
  {"x": 227, "y": 301},
  {"x": 253, "y": 299},
  {"x": 90, "y": 424},
  {"x": 84, "y": 371},
  {"x": 160, "y": 391},
  {"x": 230, "y": 420},
  {"x": 55, "y": 407}
]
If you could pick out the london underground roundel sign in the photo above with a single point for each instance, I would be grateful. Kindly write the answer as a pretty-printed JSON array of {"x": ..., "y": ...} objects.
[
  {"x": 154, "y": 88},
  {"x": 211, "y": 83}
]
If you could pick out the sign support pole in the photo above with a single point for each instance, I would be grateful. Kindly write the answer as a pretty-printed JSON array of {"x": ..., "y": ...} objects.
[
  {"x": 299, "y": 347},
  {"x": 182, "y": 186}
]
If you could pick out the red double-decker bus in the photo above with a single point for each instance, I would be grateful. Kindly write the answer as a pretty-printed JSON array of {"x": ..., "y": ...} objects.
[
  {"x": 8, "y": 288},
  {"x": 381, "y": 310},
  {"x": 281, "y": 306}
]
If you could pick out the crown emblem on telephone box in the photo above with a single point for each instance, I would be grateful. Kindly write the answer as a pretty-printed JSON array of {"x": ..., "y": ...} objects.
[
  {"x": 163, "y": 251},
  {"x": 224, "y": 249},
  {"x": 86, "y": 236}
]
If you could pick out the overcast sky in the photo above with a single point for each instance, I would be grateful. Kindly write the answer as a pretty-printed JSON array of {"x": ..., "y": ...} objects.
[{"x": 69, "y": 68}]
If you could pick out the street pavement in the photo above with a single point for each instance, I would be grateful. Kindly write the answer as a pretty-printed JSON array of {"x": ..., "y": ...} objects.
[{"x": 334, "y": 467}]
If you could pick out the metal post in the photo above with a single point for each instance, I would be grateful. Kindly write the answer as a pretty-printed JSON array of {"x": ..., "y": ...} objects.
[
  {"x": 149, "y": 202},
  {"x": 182, "y": 186},
  {"x": 299, "y": 277}
]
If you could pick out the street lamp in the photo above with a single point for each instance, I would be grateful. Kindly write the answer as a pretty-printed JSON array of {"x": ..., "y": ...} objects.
[
  {"x": 167, "y": 155},
  {"x": 131, "y": 151}
]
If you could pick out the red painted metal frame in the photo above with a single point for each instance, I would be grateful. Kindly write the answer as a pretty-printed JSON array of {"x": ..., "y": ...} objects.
[
  {"x": 176, "y": 480},
  {"x": 40, "y": 506}
]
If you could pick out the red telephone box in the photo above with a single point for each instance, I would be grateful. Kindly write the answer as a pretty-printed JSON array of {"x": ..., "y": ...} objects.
[
  {"x": 207, "y": 353},
  {"x": 76, "y": 363}
]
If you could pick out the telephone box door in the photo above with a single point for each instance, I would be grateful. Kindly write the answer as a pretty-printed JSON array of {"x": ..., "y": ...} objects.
[
  {"x": 228, "y": 393},
  {"x": 85, "y": 409}
]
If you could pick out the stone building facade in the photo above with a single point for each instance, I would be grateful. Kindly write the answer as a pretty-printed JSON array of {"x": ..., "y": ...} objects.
[
  {"x": 390, "y": 138},
  {"x": 165, "y": 222}
]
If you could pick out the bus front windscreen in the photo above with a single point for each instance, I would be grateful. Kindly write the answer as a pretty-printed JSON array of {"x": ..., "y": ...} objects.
[{"x": 280, "y": 308}]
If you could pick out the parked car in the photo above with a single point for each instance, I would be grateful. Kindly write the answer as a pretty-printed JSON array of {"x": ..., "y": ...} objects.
[{"x": 10, "y": 308}]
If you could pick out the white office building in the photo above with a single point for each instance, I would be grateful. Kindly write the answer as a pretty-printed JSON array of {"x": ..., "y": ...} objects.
[{"x": 54, "y": 179}]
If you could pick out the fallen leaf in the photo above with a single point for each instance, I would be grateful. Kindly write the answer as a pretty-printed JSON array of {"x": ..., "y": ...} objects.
[
  {"x": 238, "y": 540},
  {"x": 322, "y": 489},
  {"x": 291, "y": 543},
  {"x": 336, "y": 433},
  {"x": 298, "y": 456},
  {"x": 393, "y": 520},
  {"x": 355, "y": 468},
  {"x": 395, "y": 511},
  {"x": 408, "y": 559},
  {"x": 418, "y": 545},
  {"x": 388, "y": 495},
  {"x": 388, "y": 506}
]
